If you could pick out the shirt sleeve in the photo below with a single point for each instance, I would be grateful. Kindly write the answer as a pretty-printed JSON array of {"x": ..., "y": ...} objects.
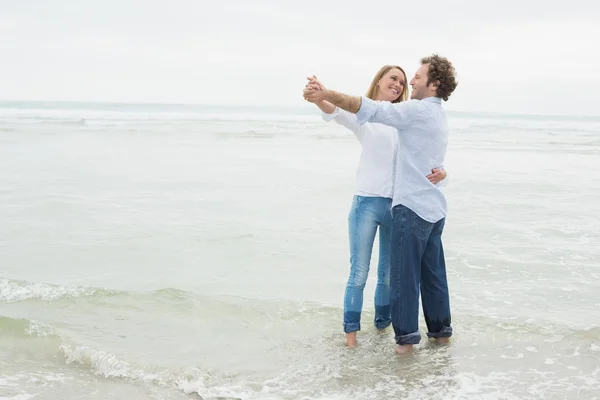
[
  {"x": 346, "y": 119},
  {"x": 399, "y": 115}
]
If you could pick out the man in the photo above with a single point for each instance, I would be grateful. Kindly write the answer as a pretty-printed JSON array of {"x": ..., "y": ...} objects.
[{"x": 418, "y": 207}]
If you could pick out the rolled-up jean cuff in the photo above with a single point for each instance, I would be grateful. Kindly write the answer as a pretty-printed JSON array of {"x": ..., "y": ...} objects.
[
  {"x": 411, "y": 338},
  {"x": 382, "y": 325},
  {"x": 445, "y": 332},
  {"x": 351, "y": 327}
]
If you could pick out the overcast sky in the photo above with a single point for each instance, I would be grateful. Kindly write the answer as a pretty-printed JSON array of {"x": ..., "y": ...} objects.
[{"x": 526, "y": 56}]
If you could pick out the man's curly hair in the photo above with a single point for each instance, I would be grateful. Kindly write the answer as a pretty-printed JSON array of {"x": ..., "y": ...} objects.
[{"x": 441, "y": 72}]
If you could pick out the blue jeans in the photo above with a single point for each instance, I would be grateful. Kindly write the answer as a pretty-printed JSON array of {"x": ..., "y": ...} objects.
[
  {"x": 366, "y": 214},
  {"x": 417, "y": 262}
]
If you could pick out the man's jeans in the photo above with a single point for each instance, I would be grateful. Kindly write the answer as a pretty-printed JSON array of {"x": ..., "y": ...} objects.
[
  {"x": 417, "y": 262},
  {"x": 366, "y": 214}
]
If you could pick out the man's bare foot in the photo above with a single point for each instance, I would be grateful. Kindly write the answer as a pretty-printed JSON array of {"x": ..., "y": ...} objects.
[
  {"x": 351, "y": 340},
  {"x": 442, "y": 340},
  {"x": 404, "y": 348}
]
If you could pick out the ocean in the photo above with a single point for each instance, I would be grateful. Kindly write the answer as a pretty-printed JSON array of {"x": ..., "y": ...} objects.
[{"x": 201, "y": 252}]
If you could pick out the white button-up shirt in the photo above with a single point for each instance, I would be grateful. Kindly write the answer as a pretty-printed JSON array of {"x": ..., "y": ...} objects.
[{"x": 375, "y": 171}]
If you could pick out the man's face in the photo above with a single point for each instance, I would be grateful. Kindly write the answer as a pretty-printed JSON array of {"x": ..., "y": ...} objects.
[{"x": 420, "y": 90}]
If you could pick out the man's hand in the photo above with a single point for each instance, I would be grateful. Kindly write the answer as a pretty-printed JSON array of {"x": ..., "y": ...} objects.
[
  {"x": 437, "y": 175},
  {"x": 314, "y": 95}
]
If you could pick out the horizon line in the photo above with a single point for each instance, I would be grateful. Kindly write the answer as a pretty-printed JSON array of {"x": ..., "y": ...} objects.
[{"x": 300, "y": 105}]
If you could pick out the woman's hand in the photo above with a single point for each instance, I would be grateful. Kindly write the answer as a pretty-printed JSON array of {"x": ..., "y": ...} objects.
[{"x": 313, "y": 81}]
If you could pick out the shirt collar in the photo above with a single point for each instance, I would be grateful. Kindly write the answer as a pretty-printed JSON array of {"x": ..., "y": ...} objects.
[{"x": 433, "y": 99}]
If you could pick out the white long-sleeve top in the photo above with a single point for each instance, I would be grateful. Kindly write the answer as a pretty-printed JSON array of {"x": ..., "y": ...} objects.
[{"x": 375, "y": 171}]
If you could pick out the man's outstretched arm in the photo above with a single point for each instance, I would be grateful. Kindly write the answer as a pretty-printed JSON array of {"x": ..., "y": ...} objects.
[
  {"x": 316, "y": 92},
  {"x": 397, "y": 115},
  {"x": 343, "y": 101}
]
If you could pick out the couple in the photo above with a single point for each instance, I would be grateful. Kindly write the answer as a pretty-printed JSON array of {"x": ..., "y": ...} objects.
[{"x": 404, "y": 144}]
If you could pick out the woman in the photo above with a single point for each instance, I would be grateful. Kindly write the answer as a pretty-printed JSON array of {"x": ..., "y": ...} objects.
[{"x": 372, "y": 200}]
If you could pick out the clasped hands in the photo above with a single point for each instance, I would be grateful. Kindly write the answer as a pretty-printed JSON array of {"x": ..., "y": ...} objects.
[{"x": 314, "y": 91}]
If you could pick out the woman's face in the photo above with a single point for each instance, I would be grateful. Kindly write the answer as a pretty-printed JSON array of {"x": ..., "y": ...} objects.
[{"x": 391, "y": 85}]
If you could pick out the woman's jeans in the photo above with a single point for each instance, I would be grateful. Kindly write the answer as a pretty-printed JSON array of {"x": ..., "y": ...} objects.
[{"x": 366, "y": 215}]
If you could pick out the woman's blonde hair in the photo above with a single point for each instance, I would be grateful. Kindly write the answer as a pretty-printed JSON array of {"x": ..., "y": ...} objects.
[{"x": 374, "y": 88}]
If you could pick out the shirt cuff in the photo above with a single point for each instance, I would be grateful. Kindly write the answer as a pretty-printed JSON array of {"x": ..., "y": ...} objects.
[
  {"x": 366, "y": 111},
  {"x": 328, "y": 117}
]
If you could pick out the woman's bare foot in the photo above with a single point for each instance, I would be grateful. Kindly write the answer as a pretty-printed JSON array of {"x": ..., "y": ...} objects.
[
  {"x": 351, "y": 340},
  {"x": 442, "y": 340},
  {"x": 404, "y": 348}
]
